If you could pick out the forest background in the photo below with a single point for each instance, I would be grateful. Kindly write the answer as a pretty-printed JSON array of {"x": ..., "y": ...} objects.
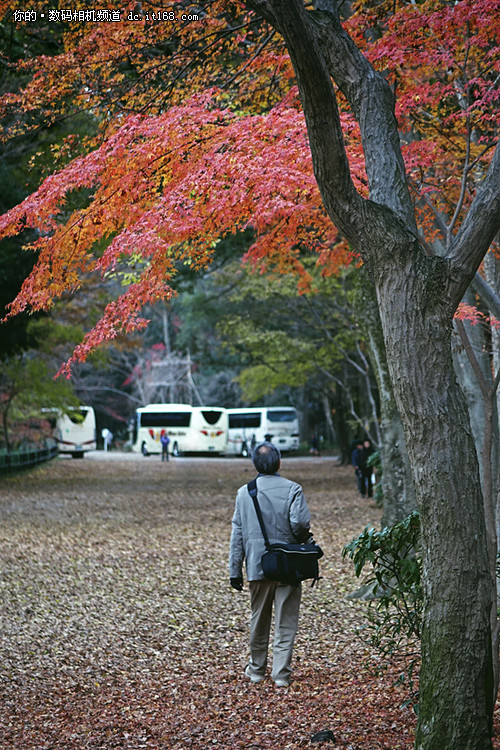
[{"x": 174, "y": 153}]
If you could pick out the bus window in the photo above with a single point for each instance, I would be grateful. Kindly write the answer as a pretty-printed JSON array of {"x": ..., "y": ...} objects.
[
  {"x": 288, "y": 415},
  {"x": 211, "y": 416},
  {"x": 166, "y": 419},
  {"x": 77, "y": 416},
  {"x": 244, "y": 420}
]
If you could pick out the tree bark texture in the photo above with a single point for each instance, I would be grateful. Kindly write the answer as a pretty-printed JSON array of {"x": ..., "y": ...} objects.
[
  {"x": 456, "y": 683},
  {"x": 417, "y": 296},
  {"x": 474, "y": 368},
  {"x": 467, "y": 377},
  {"x": 397, "y": 480},
  {"x": 476, "y": 374},
  {"x": 492, "y": 273}
]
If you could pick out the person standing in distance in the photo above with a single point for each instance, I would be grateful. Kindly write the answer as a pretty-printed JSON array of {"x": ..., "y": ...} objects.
[
  {"x": 287, "y": 518},
  {"x": 165, "y": 441}
]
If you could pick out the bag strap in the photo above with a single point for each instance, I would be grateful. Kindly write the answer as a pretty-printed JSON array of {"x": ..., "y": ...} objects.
[{"x": 252, "y": 491}]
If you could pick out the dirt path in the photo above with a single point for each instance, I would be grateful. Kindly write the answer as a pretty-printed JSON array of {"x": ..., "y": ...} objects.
[{"x": 119, "y": 629}]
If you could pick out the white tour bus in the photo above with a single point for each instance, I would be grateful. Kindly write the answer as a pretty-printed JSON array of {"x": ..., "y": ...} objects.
[
  {"x": 73, "y": 430},
  {"x": 249, "y": 426},
  {"x": 191, "y": 429}
]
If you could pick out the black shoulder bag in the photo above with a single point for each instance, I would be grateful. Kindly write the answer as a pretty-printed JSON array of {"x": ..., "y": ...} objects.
[{"x": 283, "y": 562}]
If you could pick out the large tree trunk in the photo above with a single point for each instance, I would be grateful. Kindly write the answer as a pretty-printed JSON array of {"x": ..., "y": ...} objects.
[{"x": 456, "y": 697}]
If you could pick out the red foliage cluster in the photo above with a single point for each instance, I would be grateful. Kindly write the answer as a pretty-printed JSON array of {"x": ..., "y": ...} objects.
[{"x": 165, "y": 190}]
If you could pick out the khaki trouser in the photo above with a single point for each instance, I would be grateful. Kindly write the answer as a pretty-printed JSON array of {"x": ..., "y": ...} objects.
[{"x": 286, "y": 600}]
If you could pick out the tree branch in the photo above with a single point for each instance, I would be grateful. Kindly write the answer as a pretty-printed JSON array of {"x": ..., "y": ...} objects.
[
  {"x": 383, "y": 226},
  {"x": 372, "y": 104},
  {"x": 477, "y": 231},
  {"x": 487, "y": 295}
]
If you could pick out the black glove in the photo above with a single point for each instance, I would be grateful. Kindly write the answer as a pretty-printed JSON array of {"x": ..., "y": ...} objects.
[{"x": 237, "y": 583}]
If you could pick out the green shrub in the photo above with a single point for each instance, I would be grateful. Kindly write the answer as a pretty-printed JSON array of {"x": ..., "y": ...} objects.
[{"x": 394, "y": 586}]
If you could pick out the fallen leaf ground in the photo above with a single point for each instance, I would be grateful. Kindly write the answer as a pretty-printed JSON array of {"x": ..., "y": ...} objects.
[{"x": 118, "y": 628}]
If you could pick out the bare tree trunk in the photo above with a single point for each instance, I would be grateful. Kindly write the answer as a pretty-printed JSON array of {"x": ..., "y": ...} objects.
[
  {"x": 397, "y": 480},
  {"x": 457, "y": 684},
  {"x": 328, "y": 416},
  {"x": 165, "y": 329},
  {"x": 476, "y": 370},
  {"x": 481, "y": 402},
  {"x": 5, "y": 426},
  {"x": 492, "y": 273}
]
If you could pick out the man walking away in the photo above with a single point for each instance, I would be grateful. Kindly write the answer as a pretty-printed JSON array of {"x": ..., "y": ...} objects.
[{"x": 286, "y": 518}]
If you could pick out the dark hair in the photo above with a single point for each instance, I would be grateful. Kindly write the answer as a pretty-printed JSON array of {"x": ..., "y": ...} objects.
[{"x": 266, "y": 458}]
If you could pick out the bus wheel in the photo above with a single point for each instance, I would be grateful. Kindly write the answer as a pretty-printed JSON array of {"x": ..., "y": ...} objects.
[
  {"x": 175, "y": 449},
  {"x": 144, "y": 450}
]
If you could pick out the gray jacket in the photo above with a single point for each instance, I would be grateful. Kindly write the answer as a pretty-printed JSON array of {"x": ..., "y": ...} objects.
[{"x": 286, "y": 518}]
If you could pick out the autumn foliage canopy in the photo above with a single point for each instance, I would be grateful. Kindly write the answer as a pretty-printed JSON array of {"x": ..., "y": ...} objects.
[{"x": 199, "y": 134}]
